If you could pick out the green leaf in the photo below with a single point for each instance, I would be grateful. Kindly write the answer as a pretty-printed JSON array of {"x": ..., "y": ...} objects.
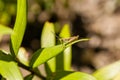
[
  {"x": 29, "y": 77},
  {"x": 6, "y": 57},
  {"x": 65, "y": 32},
  {"x": 70, "y": 75},
  {"x": 10, "y": 70},
  {"x": 108, "y": 72},
  {"x": 19, "y": 27},
  {"x": 44, "y": 54},
  {"x": 66, "y": 55},
  {"x": 48, "y": 35},
  {"x": 23, "y": 56},
  {"x": 5, "y": 30},
  {"x": 48, "y": 40}
]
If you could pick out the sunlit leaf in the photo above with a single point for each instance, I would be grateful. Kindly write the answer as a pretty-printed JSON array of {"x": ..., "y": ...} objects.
[
  {"x": 48, "y": 40},
  {"x": 48, "y": 35},
  {"x": 10, "y": 70},
  {"x": 44, "y": 54},
  {"x": 70, "y": 75},
  {"x": 23, "y": 56},
  {"x": 5, "y": 30},
  {"x": 19, "y": 27},
  {"x": 108, "y": 72},
  {"x": 65, "y": 32},
  {"x": 66, "y": 55}
]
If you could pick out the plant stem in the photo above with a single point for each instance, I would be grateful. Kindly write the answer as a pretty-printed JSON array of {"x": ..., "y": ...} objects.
[
  {"x": 32, "y": 71},
  {"x": 79, "y": 40}
]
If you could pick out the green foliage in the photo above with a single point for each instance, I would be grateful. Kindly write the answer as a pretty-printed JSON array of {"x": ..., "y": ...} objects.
[
  {"x": 5, "y": 30},
  {"x": 66, "y": 55},
  {"x": 10, "y": 71},
  {"x": 70, "y": 75},
  {"x": 48, "y": 35},
  {"x": 57, "y": 58},
  {"x": 23, "y": 56},
  {"x": 19, "y": 27},
  {"x": 108, "y": 72},
  {"x": 5, "y": 57},
  {"x": 48, "y": 40},
  {"x": 44, "y": 54}
]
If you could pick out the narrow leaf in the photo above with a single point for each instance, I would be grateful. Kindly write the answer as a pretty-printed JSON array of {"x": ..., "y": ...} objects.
[
  {"x": 48, "y": 35},
  {"x": 29, "y": 77},
  {"x": 48, "y": 40},
  {"x": 65, "y": 32},
  {"x": 5, "y": 30},
  {"x": 67, "y": 53},
  {"x": 6, "y": 57},
  {"x": 10, "y": 70},
  {"x": 70, "y": 75},
  {"x": 19, "y": 27},
  {"x": 23, "y": 56},
  {"x": 43, "y": 55},
  {"x": 108, "y": 72}
]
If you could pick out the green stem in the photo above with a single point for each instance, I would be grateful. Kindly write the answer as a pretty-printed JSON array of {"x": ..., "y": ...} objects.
[
  {"x": 76, "y": 41},
  {"x": 32, "y": 71}
]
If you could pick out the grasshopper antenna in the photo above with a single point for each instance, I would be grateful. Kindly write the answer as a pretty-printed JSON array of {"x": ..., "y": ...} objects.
[{"x": 60, "y": 40}]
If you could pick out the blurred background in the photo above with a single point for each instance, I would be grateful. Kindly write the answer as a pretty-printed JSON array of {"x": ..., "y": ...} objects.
[{"x": 98, "y": 20}]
